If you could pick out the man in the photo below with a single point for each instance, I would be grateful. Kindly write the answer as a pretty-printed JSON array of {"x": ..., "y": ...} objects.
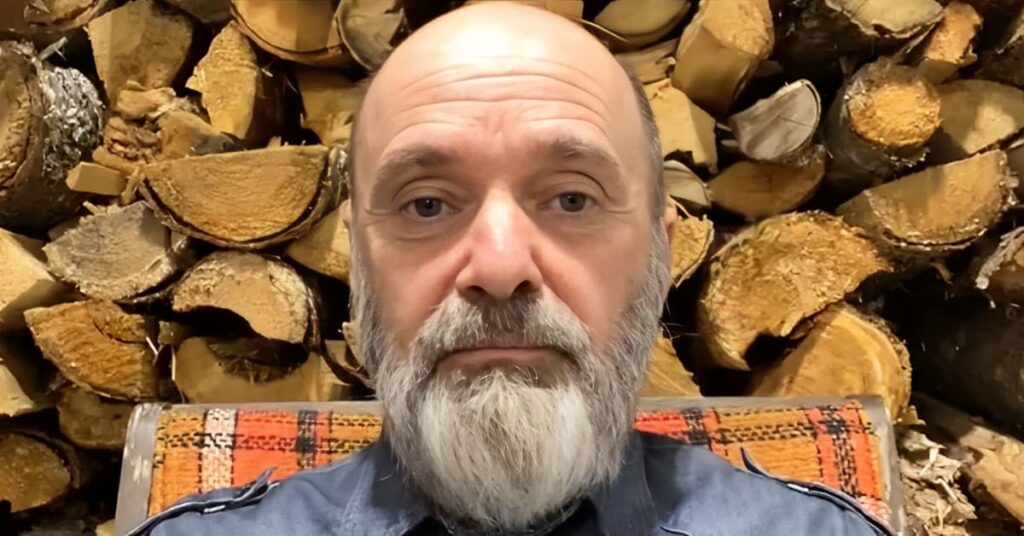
[{"x": 510, "y": 252}]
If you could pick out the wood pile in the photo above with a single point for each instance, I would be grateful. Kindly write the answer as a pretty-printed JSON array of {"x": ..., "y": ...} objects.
[{"x": 845, "y": 172}]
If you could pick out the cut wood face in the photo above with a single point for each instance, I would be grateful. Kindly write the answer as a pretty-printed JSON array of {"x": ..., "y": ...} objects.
[
  {"x": 304, "y": 32},
  {"x": 976, "y": 115},
  {"x": 93, "y": 422},
  {"x": 651, "y": 64},
  {"x": 882, "y": 17},
  {"x": 325, "y": 248},
  {"x": 368, "y": 27},
  {"x": 642, "y": 22},
  {"x": 777, "y": 273},
  {"x": 683, "y": 126},
  {"x": 31, "y": 472},
  {"x": 892, "y": 106},
  {"x": 950, "y": 45},
  {"x": 666, "y": 375},
  {"x": 17, "y": 120},
  {"x": 329, "y": 103},
  {"x": 779, "y": 128},
  {"x": 24, "y": 282},
  {"x": 691, "y": 240},
  {"x": 760, "y": 189}
]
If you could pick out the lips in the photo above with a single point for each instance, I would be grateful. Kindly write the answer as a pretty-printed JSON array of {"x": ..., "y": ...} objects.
[{"x": 492, "y": 356}]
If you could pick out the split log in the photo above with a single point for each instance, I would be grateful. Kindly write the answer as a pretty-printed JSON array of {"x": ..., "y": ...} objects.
[
  {"x": 339, "y": 353},
  {"x": 651, "y": 64},
  {"x": 117, "y": 254},
  {"x": 96, "y": 179},
  {"x": 24, "y": 281},
  {"x": 812, "y": 35},
  {"x": 325, "y": 248},
  {"x": 1005, "y": 62},
  {"x": 642, "y": 22},
  {"x": 33, "y": 471},
  {"x": 842, "y": 351},
  {"x": 51, "y": 117},
  {"x": 720, "y": 50},
  {"x": 781, "y": 127},
  {"x": 352, "y": 340},
  {"x": 666, "y": 375},
  {"x": 880, "y": 124},
  {"x": 570, "y": 9},
  {"x": 268, "y": 294},
  {"x": 1000, "y": 275},
  {"x": 969, "y": 353},
  {"x": 685, "y": 187},
  {"x": 23, "y": 379},
  {"x": 692, "y": 237},
  {"x": 772, "y": 276},
  {"x": 240, "y": 96},
  {"x": 950, "y": 46},
  {"x": 46, "y": 21},
  {"x": 92, "y": 422},
  {"x": 757, "y": 190},
  {"x": 248, "y": 370},
  {"x": 98, "y": 346},
  {"x": 976, "y": 115},
  {"x": 683, "y": 126},
  {"x": 993, "y": 462},
  {"x": 211, "y": 12},
  {"x": 368, "y": 28},
  {"x": 936, "y": 211},
  {"x": 304, "y": 32},
  {"x": 141, "y": 41},
  {"x": 1015, "y": 159},
  {"x": 220, "y": 199},
  {"x": 329, "y": 103}
]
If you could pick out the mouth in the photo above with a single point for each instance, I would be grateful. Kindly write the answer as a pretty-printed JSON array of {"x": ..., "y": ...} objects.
[{"x": 485, "y": 357}]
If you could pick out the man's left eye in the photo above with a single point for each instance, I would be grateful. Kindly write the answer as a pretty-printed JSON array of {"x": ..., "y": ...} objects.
[{"x": 573, "y": 201}]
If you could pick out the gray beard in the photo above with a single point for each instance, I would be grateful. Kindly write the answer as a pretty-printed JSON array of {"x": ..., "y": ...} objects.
[{"x": 509, "y": 450}]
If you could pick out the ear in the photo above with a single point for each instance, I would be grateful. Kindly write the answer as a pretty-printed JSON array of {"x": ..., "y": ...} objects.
[
  {"x": 668, "y": 221},
  {"x": 346, "y": 214}
]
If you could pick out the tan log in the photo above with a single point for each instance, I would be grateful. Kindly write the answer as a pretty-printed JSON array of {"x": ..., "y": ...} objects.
[
  {"x": 33, "y": 470},
  {"x": 368, "y": 27},
  {"x": 304, "y": 32},
  {"x": 570, "y": 9},
  {"x": 96, "y": 179},
  {"x": 685, "y": 187},
  {"x": 143, "y": 42},
  {"x": 772, "y": 276},
  {"x": 880, "y": 124},
  {"x": 692, "y": 237},
  {"x": 210, "y": 12},
  {"x": 245, "y": 370},
  {"x": 720, "y": 50},
  {"x": 51, "y": 117},
  {"x": 117, "y": 254},
  {"x": 92, "y": 422},
  {"x": 841, "y": 351},
  {"x": 683, "y": 126},
  {"x": 642, "y": 22},
  {"x": 268, "y": 294},
  {"x": 46, "y": 21},
  {"x": 950, "y": 46},
  {"x": 325, "y": 248},
  {"x": 246, "y": 200},
  {"x": 936, "y": 211},
  {"x": 341, "y": 353},
  {"x": 99, "y": 347},
  {"x": 329, "y": 103},
  {"x": 23, "y": 378},
  {"x": 24, "y": 281},
  {"x": 242, "y": 98},
  {"x": 651, "y": 64},
  {"x": 976, "y": 115},
  {"x": 757, "y": 190},
  {"x": 993, "y": 462},
  {"x": 666, "y": 375},
  {"x": 780, "y": 128},
  {"x": 1005, "y": 62}
]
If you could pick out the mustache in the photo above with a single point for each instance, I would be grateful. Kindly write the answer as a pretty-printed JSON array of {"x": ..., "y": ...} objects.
[{"x": 519, "y": 322}]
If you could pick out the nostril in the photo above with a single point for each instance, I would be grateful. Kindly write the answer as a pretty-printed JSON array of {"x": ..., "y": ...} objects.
[{"x": 524, "y": 288}]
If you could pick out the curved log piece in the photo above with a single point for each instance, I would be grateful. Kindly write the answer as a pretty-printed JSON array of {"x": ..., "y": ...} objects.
[
  {"x": 329, "y": 103},
  {"x": 570, "y": 9},
  {"x": 35, "y": 470},
  {"x": 117, "y": 254},
  {"x": 880, "y": 124},
  {"x": 691, "y": 240},
  {"x": 773, "y": 275},
  {"x": 683, "y": 126},
  {"x": 23, "y": 377},
  {"x": 46, "y": 21},
  {"x": 642, "y": 22},
  {"x": 757, "y": 190},
  {"x": 976, "y": 115},
  {"x": 304, "y": 32},
  {"x": 268, "y": 294},
  {"x": 841, "y": 351},
  {"x": 1000, "y": 274},
  {"x": 99, "y": 347},
  {"x": 250, "y": 370},
  {"x": 24, "y": 281},
  {"x": 53, "y": 117},
  {"x": 142, "y": 42},
  {"x": 93, "y": 422},
  {"x": 936, "y": 211},
  {"x": 368, "y": 28},
  {"x": 720, "y": 49},
  {"x": 685, "y": 187},
  {"x": 245, "y": 200},
  {"x": 651, "y": 64},
  {"x": 325, "y": 248},
  {"x": 780, "y": 128},
  {"x": 950, "y": 46},
  {"x": 666, "y": 375}
]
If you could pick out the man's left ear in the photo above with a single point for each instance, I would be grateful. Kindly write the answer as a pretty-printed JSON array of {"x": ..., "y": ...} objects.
[{"x": 346, "y": 214}]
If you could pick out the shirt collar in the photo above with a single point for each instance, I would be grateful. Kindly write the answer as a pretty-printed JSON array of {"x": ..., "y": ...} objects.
[{"x": 384, "y": 502}]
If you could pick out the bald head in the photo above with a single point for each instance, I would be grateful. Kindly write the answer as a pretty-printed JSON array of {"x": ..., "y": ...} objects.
[{"x": 468, "y": 53}]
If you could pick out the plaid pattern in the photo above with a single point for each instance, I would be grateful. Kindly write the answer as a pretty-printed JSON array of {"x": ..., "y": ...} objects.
[{"x": 197, "y": 451}]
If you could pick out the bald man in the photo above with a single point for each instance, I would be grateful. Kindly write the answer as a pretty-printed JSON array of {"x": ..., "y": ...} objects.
[{"x": 510, "y": 255}]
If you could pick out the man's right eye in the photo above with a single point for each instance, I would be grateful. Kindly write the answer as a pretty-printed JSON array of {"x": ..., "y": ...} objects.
[{"x": 426, "y": 207}]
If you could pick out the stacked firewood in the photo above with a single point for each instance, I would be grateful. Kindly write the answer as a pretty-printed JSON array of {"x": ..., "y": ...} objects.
[{"x": 845, "y": 174}]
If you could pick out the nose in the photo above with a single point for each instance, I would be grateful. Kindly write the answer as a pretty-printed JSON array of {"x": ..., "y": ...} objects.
[{"x": 500, "y": 244}]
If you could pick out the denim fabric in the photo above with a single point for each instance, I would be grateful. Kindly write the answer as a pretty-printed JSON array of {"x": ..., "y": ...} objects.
[{"x": 664, "y": 488}]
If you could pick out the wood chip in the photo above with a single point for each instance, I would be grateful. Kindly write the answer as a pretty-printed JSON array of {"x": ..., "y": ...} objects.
[{"x": 96, "y": 179}]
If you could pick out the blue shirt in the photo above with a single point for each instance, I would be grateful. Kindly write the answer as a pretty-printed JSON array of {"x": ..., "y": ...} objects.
[{"x": 664, "y": 488}]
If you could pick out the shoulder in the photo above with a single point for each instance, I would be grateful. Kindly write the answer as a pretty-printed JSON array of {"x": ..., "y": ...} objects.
[
  {"x": 699, "y": 492},
  {"x": 308, "y": 502}
]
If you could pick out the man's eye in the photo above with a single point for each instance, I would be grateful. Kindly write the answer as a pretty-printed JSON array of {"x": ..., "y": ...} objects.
[
  {"x": 427, "y": 207},
  {"x": 573, "y": 201}
]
